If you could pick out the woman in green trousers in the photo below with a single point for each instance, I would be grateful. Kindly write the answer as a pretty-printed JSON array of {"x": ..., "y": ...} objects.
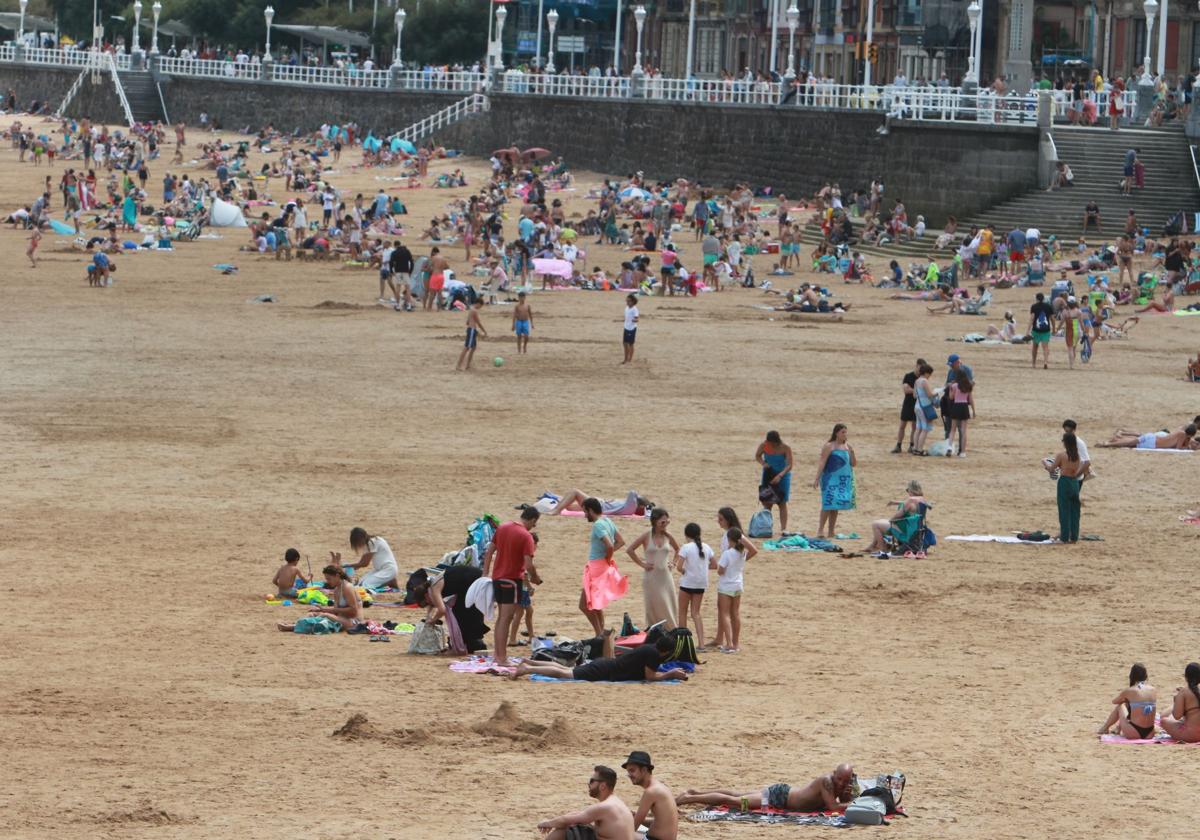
[{"x": 1069, "y": 469}]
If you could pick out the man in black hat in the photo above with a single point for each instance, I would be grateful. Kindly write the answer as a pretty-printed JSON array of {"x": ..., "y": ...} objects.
[{"x": 656, "y": 810}]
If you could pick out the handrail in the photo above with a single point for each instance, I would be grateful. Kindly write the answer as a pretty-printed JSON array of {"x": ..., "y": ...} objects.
[
  {"x": 1195, "y": 167},
  {"x": 449, "y": 115},
  {"x": 74, "y": 89},
  {"x": 112, "y": 68},
  {"x": 161, "y": 100}
]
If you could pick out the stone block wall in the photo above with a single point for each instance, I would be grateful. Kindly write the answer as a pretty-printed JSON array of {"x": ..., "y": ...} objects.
[{"x": 97, "y": 100}]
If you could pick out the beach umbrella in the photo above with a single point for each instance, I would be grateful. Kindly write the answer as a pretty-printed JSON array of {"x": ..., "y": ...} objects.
[
  {"x": 634, "y": 192},
  {"x": 535, "y": 154},
  {"x": 407, "y": 147}
]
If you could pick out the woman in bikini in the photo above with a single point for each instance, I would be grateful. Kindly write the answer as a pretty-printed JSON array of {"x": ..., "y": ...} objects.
[
  {"x": 1133, "y": 709},
  {"x": 347, "y": 608},
  {"x": 1183, "y": 724}
]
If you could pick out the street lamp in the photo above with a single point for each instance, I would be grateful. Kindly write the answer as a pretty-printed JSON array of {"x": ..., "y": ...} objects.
[
  {"x": 867, "y": 65},
  {"x": 639, "y": 17},
  {"x": 617, "y": 42},
  {"x": 157, "y": 9},
  {"x": 552, "y": 23},
  {"x": 973, "y": 60},
  {"x": 399, "y": 18},
  {"x": 501, "y": 14},
  {"x": 691, "y": 39},
  {"x": 793, "y": 18},
  {"x": 137, "y": 24},
  {"x": 1151, "y": 9},
  {"x": 21, "y": 31},
  {"x": 269, "y": 14}
]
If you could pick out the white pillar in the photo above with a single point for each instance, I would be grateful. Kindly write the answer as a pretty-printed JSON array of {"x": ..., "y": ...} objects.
[
  {"x": 268, "y": 15},
  {"x": 400, "y": 15},
  {"x": 537, "y": 50},
  {"x": 157, "y": 9},
  {"x": 552, "y": 22},
  {"x": 691, "y": 41},
  {"x": 639, "y": 17},
  {"x": 1162, "y": 39},
  {"x": 137, "y": 23},
  {"x": 774, "y": 7},
  {"x": 617, "y": 42},
  {"x": 501, "y": 14},
  {"x": 979, "y": 44},
  {"x": 972, "y": 59},
  {"x": 793, "y": 18},
  {"x": 870, "y": 38}
]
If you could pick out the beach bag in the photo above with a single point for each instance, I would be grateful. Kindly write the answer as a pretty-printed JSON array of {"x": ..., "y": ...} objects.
[
  {"x": 428, "y": 639},
  {"x": 767, "y": 493},
  {"x": 481, "y": 531},
  {"x": 940, "y": 448},
  {"x": 867, "y": 809},
  {"x": 761, "y": 524},
  {"x": 567, "y": 654},
  {"x": 1042, "y": 322},
  {"x": 929, "y": 411}
]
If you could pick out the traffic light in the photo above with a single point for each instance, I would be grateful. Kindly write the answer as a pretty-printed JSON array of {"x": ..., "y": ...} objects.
[{"x": 872, "y": 53}]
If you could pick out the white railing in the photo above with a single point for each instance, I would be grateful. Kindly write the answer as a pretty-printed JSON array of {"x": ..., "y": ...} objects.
[
  {"x": 473, "y": 104},
  {"x": 549, "y": 84},
  {"x": 124, "y": 60},
  {"x": 456, "y": 81},
  {"x": 329, "y": 76},
  {"x": 729, "y": 91},
  {"x": 8, "y": 52},
  {"x": 60, "y": 58},
  {"x": 206, "y": 68},
  {"x": 112, "y": 68},
  {"x": 74, "y": 89}
]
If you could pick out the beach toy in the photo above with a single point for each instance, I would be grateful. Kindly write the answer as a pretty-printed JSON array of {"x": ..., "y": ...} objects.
[
  {"x": 498, "y": 361},
  {"x": 287, "y": 603}
]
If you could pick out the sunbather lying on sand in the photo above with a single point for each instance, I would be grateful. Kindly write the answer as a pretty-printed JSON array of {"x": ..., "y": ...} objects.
[
  {"x": 828, "y": 792},
  {"x": 629, "y": 506}
]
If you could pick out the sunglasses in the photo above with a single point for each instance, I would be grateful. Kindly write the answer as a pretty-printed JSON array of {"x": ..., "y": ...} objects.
[{"x": 594, "y": 781}]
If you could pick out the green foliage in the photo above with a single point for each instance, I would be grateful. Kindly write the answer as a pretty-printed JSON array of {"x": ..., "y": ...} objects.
[{"x": 444, "y": 31}]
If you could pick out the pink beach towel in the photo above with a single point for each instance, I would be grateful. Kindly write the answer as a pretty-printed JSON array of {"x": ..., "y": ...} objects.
[
  {"x": 1161, "y": 739},
  {"x": 480, "y": 665},
  {"x": 603, "y": 583}
]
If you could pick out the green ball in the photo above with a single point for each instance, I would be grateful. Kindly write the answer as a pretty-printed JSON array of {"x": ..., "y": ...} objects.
[{"x": 498, "y": 361}]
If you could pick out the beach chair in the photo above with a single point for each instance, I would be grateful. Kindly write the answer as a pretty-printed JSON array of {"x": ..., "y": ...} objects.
[
  {"x": 978, "y": 307},
  {"x": 911, "y": 533},
  {"x": 1035, "y": 278}
]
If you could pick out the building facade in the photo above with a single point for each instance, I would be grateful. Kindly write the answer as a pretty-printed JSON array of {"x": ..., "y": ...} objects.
[{"x": 1022, "y": 40}]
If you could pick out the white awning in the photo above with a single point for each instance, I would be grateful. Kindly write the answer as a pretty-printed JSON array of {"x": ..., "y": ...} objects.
[
  {"x": 33, "y": 23},
  {"x": 334, "y": 34}
]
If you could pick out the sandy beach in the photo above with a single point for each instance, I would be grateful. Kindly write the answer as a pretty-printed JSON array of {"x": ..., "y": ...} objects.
[{"x": 165, "y": 440}]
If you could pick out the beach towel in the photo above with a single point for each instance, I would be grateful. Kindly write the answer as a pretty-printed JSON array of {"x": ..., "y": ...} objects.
[
  {"x": 999, "y": 538},
  {"x": 770, "y": 816},
  {"x": 481, "y": 665},
  {"x": 1161, "y": 738},
  {"x": 542, "y": 678},
  {"x": 837, "y": 482},
  {"x": 1173, "y": 451},
  {"x": 554, "y": 268},
  {"x": 609, "y": 515},
  {"x": 603, "y": 583},
  {"x": 59, "y": 227},
  {"x": 317, "y": 625},
  {"x": 799, "y": 542}
]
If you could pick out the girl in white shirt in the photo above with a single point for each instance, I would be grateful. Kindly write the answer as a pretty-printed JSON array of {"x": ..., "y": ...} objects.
[
  {"x": 377, "y": 554},
  {"x": 729, "y": 591},
  {"x": 693, "y": 561}
]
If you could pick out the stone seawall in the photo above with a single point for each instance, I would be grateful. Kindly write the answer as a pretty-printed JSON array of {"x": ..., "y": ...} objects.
[{"x": 937, "y": 169}]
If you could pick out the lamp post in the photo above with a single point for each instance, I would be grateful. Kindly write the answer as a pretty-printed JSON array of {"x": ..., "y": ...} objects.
[
  {"x": 137, "y": 25},
  {"x": 157, "y": 9},
  {"x": 793, "y": 18},
  {"x": 399, "y": 18},
  {"x": 1162, "y": 40},
  {"x": 269, "y": 15},
  {"x": 552, "y": 24},
  {"x": 21, "y": 29},
  {"x": 1151, "y": 9},
  {"x": 973, "y": 12},
  {"x": 773, "y": 60},
  {"x": 501, "y": 14},
  {"x": 639, "y": 17},
  {"x": 537, "y": 48}
]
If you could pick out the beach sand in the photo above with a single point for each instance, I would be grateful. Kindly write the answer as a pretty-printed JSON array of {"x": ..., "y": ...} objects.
[{"x": 165, "y": 441}]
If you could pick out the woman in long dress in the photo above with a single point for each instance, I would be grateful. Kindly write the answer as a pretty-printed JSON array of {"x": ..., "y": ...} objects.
[
  {"x": 835, "y": 480},
  {"x": 658, "y": 584}
]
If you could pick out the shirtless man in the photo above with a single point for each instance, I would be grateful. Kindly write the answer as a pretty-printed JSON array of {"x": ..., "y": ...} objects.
[
  {"x": 656, "y": 810},
  {"x": 1184, "y": 438},
  {"x": 828, "y": 792},
  {"x": 608, "y": 819},
  {"x": 522, "y": 322},
  {"x": 437, "y": 278}
]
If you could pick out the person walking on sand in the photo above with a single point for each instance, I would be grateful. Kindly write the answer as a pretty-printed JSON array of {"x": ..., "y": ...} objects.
[
  {"x": 474, "y": 328},
  {"x": 908, "y": 408},
  {"x": 437, "y": 279},
  {"x": 1072, "y": 328},
  {"x": 658, "y": 585},
  {"x": 603, "y": 582},
  {"x": 1041, "y": 328},
  {"x": 35, "y": 239},
  {"x": 522, "y": 322},
  {"x": 835, "y": 480},
  {"x": 1070, "y": 471},
  {"x": 775, "y": 457},
  {"x": 631, "y": 325}
]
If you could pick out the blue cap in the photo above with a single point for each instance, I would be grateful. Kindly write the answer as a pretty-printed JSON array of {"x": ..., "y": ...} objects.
[{"x": 953, "y": 358}]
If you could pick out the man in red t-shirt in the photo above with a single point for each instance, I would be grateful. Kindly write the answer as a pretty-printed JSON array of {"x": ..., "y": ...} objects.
[{"x": 512, "y": 551}]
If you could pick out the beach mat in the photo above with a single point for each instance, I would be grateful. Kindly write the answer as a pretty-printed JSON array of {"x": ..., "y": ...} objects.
[
  {"x": 60, "y": 227},
  {"x": 481, "y": 665},
  {"x": 1172, "y": 451},
  {"x": 769, "y": 816},
  {"x": 1000, "y": 538},
  {"x": 609, "y": 515}
]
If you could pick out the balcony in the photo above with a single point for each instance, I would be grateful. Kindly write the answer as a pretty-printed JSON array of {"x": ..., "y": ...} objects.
[{"x": 909, "y": 17}]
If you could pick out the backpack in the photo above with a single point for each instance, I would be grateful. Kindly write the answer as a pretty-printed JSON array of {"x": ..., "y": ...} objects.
[
  {"x": 568, "y": 654},
  {"x": 1041, "y": 323},
  {"x": 481, "y": 531},
  {"x": 685, "y": 646},
  {"x": 761, "y": 524}
]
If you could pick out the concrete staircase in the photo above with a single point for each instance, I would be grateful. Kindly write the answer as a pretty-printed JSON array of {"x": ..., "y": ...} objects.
[
  {"x": 144, "y": 99},
  {"x": 1097, "y": 156}
]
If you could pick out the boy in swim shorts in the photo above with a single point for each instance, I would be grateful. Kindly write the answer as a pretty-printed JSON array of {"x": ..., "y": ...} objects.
[
  {"x": 522, "y": 322},
  {"x": 288, "y": 576},
  {"x": 474, "y": 328}
]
